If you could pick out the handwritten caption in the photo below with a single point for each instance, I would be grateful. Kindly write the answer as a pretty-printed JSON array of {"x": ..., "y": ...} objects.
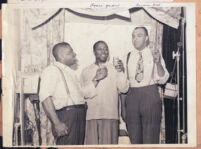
[
  {"x": 96, "y": 5},
  {"x": 148, "y": 5},
  {"x": 105, "y": 5}
]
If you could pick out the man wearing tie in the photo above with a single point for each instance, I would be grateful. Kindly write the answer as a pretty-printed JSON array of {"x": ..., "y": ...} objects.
[{"x": 142, "y": 107}]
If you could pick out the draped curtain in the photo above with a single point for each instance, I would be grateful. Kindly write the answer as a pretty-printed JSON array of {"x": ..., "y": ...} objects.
[
  {"x": 36, "y": 55},
  {"x": 166, "y": 15}
]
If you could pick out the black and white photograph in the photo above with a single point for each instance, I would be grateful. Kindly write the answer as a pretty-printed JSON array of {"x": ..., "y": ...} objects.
[{"x": 99, "y": 74}]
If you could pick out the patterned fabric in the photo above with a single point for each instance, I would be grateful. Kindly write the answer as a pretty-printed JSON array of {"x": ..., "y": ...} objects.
[
  {"x": 140, "y": 69},
  {"x": 167, "y": 15},
  {"x": 36, "y": 45},
  {"x": 46, "y": 129},
  {"x": 36, "y": 54}
]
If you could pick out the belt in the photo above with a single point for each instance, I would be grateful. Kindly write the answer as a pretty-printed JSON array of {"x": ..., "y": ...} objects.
[
  {"x": 67, "y": 108},
  {"x": 145, "y": 87}
]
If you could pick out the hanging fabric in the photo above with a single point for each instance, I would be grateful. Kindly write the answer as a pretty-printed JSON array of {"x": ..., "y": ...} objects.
[{"x": 166, "y": 15}]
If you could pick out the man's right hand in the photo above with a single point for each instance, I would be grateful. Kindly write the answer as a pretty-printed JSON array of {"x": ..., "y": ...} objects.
[
  {"x": 101, "y": 73},
  {"x": 60, "y": 129}
]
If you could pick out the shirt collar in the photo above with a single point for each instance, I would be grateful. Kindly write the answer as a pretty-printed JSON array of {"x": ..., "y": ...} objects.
[
  {"x": 143, "y": 51},
  {"x": 62, "y": 66},
  {"x": 105, "y": 64}
]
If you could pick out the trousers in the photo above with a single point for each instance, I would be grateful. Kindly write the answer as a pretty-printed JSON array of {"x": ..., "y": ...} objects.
[
  {"x": 143, "y": 115},
  {"x": 102, "y": 131},
  {"x": 75, "y": 119}
]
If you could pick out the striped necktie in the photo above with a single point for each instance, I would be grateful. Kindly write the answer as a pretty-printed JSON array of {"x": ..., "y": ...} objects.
[{"x": 139, "y": 75}]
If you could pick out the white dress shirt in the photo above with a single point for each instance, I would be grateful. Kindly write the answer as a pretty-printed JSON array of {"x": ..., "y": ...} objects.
[
  {"x": 52, "y": 85},
  {"x": 149, "y": 66},
  {"x": 105, "y": 104}
]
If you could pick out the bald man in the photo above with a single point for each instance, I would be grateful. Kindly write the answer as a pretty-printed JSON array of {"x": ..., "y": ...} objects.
[{"x": 62, "y": 96}]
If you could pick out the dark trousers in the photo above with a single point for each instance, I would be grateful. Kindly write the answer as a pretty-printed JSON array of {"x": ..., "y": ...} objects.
[
  {"x": 143, "y": 115},
  {"x": 75, "y": 119}
]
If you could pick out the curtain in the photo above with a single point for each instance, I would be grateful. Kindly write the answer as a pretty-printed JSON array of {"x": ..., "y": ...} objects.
[
  {"x": 170, "y": 38},
  {"x": 36, "y": 54},
  {"x": 167, "y": 15}
]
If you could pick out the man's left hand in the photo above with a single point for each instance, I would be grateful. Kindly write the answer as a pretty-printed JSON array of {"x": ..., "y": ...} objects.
[{"x": 120, "y": 66}]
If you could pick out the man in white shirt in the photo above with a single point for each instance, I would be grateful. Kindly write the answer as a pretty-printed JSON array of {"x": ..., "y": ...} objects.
[
  {"x": 62, "y": 97},
  {"x": 142, "y": 107},
  {"x": 103, "y": 113}
]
